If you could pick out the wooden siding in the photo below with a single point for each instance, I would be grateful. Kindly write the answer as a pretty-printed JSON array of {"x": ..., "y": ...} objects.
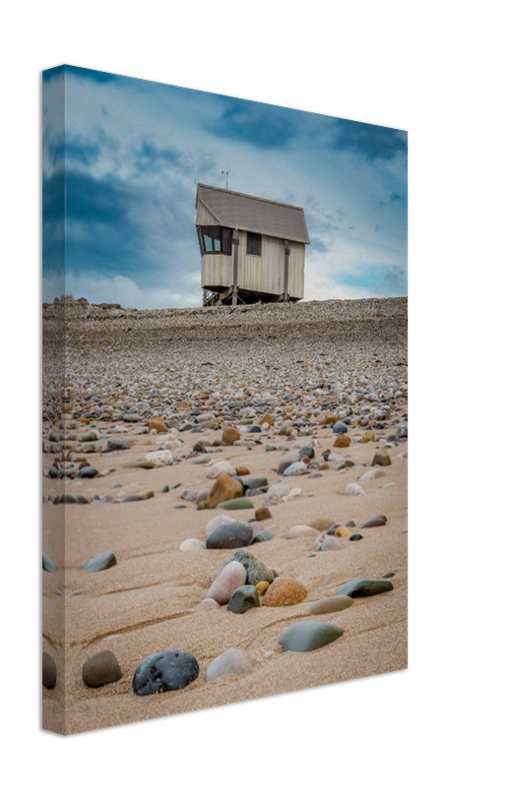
[{"x": 258, "y": 274}]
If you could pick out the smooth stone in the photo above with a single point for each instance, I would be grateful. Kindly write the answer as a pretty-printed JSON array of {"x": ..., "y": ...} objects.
[
  {"x": 296, "y": 531},
  {"x": 166, "y": 671},
  {"x": 262, "y": 587},
  {"x": 354, "y": 490},
  {"x": 48, "y": 564},
  {"x": 298, "y": 468},
  {"x": 231, "y": 662},
  {"x": 373, "y": 522},
  {"x": 232, "y": 576},
  {"x": 255, "y": 569},
  {"x": 225, "y": 488},
  {"x": 243, "y": 599},
  {"x": 262, "y": 536},
  {"x": 220, "y": 467},
  {"x": 229, "y": 436},
  {"x": 321, "y": 523},
  {"x": 189, "y": 495},
  {"x": 350, "y": 524},
  {"x": 87, "y": 472},
  {"x": 101, "y": 562},
  {"x": 339, "y": 427},
  {"x": 254, "y": 429},
  {"x": 116, "y": 444},
  {"x": 364, "y": 587},
  {"x": 101, "y": 669},
  {"x": 307, "y": 635},
  {"x": 373, "y": 474},
  {"x": 381, "y": 459},
  {"x": 82, "y": 500},
  {"x": 262, "y": 514},
  {"x": 342, "y": 531},
  {"x": 164, "y": 490},
  {"x": 157, "y": 425},
  {"x": 210, "y": 603},
  {"x": 91, "y": 436},
  {"x": 331, "y": 543},
  {"x": 202, "y": 495},
  {"x": 230, "y": 535},
  {"x": 203, "y": 459},
  {"x": 285, "y": 592},
  {"x": 138, "y": 465},
  {"x": 388, "y": 575},
  {"x": 213, "y": 523},
  {"x": 130, "y": 417},
  {"x": 307, "y": 451},
  {"x": 255, "y": 483},
  {"x": 343, "y": 441},
  {"x": 291, "y": 458},
  {"x": 368, "y": 436},
  {"x": 237, "y": 504},
  {"x": 330, "y": 604},
  {"x": 188, "y": 545},
  {"x": 49, "y": 671},
  {"x": 67, "y": 498},
  {"x": 356, "y": 537}
]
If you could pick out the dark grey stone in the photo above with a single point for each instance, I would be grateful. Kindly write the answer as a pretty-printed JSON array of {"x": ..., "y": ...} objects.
[
  {"x": 307, "y": 635},
  {"x": 230, "y": 535},
  {"x": 82, "y": 500},
  {"x": 364, "y": 587},
  {"x": 254, "y": 429},
  {"x": 87, "y": 472},
  {"x": 356, "y": 537},
  {"x": 67, "y": 498},
  {"x": 340, "y": 427},
  {"x": 49, "y": 671},
  {"x": 243, "y": 599},
  {"x": 166, "y": 671}
]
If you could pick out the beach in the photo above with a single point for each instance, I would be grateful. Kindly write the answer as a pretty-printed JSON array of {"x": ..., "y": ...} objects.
[{"x": 129, "y": 374}]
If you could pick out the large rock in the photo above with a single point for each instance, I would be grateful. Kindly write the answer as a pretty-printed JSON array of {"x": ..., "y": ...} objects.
[
  {"x": 364, "y": 587},
  {"x": 225, "y": 488},
  {"x": 101, "y": 562},
  {"x": 220, "y": 467},
  {"x": 101, "y": 669},
  {"x": 166, "y": 671},
  {"x": 330, "y": 604},
  {"x": 49, "y": 671},
  {"x": 230, "y": 535},
  {"x": 243, "y": 600},
  {"x": 255, "y": 569}
]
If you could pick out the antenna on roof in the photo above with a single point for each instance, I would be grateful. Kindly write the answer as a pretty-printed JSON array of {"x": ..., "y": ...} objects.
[
  {"x": 194, "y": 170},
  {"x": 225, "y": 173}
]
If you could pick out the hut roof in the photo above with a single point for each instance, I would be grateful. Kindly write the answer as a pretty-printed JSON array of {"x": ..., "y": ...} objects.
[{"x": 248, "y": 213}]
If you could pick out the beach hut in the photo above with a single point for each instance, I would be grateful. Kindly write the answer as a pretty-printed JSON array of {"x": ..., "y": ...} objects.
[{"x": 252, "y": 249}]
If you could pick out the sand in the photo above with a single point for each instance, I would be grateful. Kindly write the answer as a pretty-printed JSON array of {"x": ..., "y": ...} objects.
[{"x": 150, "y": 601}]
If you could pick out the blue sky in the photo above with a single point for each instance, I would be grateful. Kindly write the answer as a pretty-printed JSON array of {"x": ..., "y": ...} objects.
[{"x": 134, "y": 151}]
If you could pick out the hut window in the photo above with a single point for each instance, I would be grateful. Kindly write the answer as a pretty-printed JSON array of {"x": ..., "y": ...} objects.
[
  {"x": 215, "y": 239},
  {"x": 254, "y": 244}
]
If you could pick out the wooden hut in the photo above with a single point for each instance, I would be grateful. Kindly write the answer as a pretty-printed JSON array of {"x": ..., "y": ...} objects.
[{"x": 252, "y": 249}]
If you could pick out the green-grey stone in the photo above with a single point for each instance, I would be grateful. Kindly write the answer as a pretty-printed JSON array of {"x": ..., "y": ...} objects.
[
  {"x": 364, "y": 587},
  {"x": 67, "y": 498},
  {"x": 255, "y": 569},
  {"x": 263, "y": 536},
  {"x": 330, "y": 604},
  {"x": 91, "y": 436},
  {"x": 82, "y": 500},
  {"x": 202, "y": 505},
  {"x": 203, "y": 459},
  {"x": 101, "y": 669},
  {"x": 100, "y": 562},
  {"x": 307, "y": 635},
  {"x": 243, "y": 599},
  {"x": 350, "y": 524},
  {"x": 49, "y": 671},
  {"x": 236, "y": 504},
  {"x": 132, "y": 498},
  {"x": 388, "y": 575},
  {"x": 256, "y": 483},
  {"x": 139, "y": 465},
  {"x": 48, "y": 564},
  {"x": 88, "y": 472}
]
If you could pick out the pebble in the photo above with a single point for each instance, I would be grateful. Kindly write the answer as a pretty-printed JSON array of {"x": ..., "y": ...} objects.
[
  {"x": 306, "y": 635},
  {"x": 364, "y": 587},
  {"x": 232, "y": 576},
  {"x": 219, "y": 468},
  {"x": 210, "y": 603},
  {"x": 339, "y": 427},
  {"x": 243, "y": 599},
  {"x": 296, "y": 531},
  {"x": 298, "y": 468},
  {"x": 343, "y": 441},
  {"x": 321, "y": 523},
  {"x": 285, "y": 592},
  {"x": 213, "y": 523},
  {"x": 237, "y": 504},
  {"x": 101, "y": 562},
  {"x": 255, "y": 569},
  {"x": 225, "y": 488},
  {"x": 388, "y": 575},
  {"x": 331, "y": 543},
  {"x": 87, "y": 472},
  {"x": 262, "y": 536},
  {"x": 330, "y": 604},
  {"x": 101, "y": 669},
  {"x": 48, "y": 564},
  {"x": 188, "y": 545},
  {"x": 230, "y": 535},
  {"x": 381, "y": 459},
  {"x": 230, "y": 435},
  {"x": 373, "y": 522},
  {"x": 166, "y": 671},
  {"x": 356, "y": 537},
  {"x": 262, "y": 514},
  {"x": 262, "y": 587},
  {"x": 138, "y": 465},
  {"x": 373, "y": 474},
  {"x": 231, "y": 662},
  {"x": 354, "y": 490},
  {"x": 49, "y": 671}
]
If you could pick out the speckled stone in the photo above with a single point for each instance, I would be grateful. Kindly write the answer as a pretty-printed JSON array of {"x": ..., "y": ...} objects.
[
  {"x": 285, "y": 592},
  {"x": 364, "y": 587},
  {"x": 243, "y": 599},
  {"x": 166, "y": 671},
  {"x": 307, "y": 635},
  {"x": 101, "y": 669},
  {"x": 330, "y": 604},
  {"x": 231, "y": 662},
  {"x": 255, "y": 569}
]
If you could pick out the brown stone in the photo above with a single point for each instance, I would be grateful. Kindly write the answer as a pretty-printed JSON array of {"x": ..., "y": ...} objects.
[
  {"x": 158, "y": 424},
  {"x": 381, "y": 459},
  {"x": 321, "y": 523},
  {"x": 225, "y": 488},
  {"x": 347, "y": 532},
  {"x": 368, "y": 436},
  {"x": 230, "y": 435},
  {"x": 324, "y": 467},
  {"x": 262, "y": 587},
  {"x": 262, "y": 513},
  {"x": 266, "y": 418},
  {"x": 285, "y": 592},
  {"x": 343, "y": 441},
  {"x": 243, "y": 471}
]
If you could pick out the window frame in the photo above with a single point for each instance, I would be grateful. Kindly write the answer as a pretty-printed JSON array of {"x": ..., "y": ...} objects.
[{"x": 217, "y": 233}]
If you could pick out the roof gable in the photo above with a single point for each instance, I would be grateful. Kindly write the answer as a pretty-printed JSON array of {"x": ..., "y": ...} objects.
[{"x": 248, "y": 213}]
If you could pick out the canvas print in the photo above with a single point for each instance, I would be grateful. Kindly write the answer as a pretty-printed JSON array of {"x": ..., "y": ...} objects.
[{"x": 224, "y": 400}]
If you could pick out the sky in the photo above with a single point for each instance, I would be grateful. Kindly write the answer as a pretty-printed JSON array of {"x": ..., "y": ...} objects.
[{"x": 129, "y": 154}]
